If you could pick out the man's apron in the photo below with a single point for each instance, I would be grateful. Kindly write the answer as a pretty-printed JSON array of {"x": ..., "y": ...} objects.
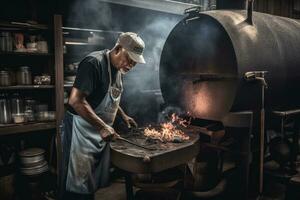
[{"x": 86, "y": 156}]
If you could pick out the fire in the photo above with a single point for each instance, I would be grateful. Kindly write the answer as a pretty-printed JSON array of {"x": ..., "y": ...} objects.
[
  {"x": 168, "y": 131},
  {"x": 180, "y": 121}
]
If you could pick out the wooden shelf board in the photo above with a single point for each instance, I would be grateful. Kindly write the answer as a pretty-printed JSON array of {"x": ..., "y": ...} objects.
[
  {"x": 12, "y": 53},
  {"x": 68, "y": 85},
  {"x": 17, "y": 87},
  {"x": 27, "y": 127},
  {"x": 22, "y": 25}
]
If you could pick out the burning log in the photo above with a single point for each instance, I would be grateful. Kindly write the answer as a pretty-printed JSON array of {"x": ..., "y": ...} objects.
[{"x": 169, "y": 131}]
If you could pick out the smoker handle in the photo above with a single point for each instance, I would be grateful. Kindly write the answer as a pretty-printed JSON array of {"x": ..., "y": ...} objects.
[{"x": 249, "y": 19}]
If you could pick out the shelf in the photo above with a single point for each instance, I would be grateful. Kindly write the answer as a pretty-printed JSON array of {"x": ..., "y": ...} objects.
[
  {"x": 11, "y": 53},
  {"x": 68, "y": 85},
  {"x": 22, "y": 128},
  {"x": 90, "y": 30},
  {"x": 83, "y": 44},
  {"x": 18, "y": 87},
  {"x": 168, "y": 6},
  {"x": 21, "y": 25}
]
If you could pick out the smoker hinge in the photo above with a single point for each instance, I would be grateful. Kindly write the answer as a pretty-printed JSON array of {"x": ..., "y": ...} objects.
[{"x": 192, "y": 12}]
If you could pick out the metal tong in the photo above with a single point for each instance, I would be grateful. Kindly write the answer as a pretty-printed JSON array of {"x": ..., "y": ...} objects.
[{"x": 133, "y": 143}]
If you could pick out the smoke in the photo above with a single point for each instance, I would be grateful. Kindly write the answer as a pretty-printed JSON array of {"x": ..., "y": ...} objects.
[
  {"x": 144, "y": 79},
  {"x": 142, "y": 89},
  {"x": 91, "y": 13}
]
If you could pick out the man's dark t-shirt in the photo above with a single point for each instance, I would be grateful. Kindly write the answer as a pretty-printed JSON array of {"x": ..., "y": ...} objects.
[{"x": 92, "y": 78}]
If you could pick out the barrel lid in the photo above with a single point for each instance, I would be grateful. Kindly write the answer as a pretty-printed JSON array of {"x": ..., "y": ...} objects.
[{"x": 31, "y": 152}]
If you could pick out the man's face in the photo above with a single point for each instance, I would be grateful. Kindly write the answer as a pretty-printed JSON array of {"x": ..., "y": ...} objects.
[{"x": 124, "y": 63}]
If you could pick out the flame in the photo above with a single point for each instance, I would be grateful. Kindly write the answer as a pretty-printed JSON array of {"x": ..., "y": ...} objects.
[{"x": 168, "y": 131}]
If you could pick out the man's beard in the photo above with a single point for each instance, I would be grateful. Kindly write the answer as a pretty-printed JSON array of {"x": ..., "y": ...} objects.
[{"x": 123, "y": 71}]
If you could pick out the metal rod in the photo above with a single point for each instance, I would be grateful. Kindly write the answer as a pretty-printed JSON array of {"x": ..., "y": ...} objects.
[
  {"x": 133, "y": 143},
  {"x": 262, "y": 137}
]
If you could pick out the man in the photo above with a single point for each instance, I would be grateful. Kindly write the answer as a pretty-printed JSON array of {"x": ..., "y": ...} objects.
[{"x": 93, "y": 105}]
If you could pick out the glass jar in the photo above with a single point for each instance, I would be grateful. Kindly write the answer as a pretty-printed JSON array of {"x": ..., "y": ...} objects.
[
  {"x": 24, "y": 76},
  {"x": 17, "y": 104},
  {"x": 30, "y": 109},
  {"x": 5, "y": 79}
]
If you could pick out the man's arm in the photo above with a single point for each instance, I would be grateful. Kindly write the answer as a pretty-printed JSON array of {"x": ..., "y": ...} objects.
[
  {"x": 79, "y": 103},
  {"x": 121, "y": 112},
  {"x": 128, "y": 120}
]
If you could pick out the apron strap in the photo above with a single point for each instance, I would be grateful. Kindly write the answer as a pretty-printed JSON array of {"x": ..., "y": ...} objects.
[
  {"x": 109, "y": 68},
  {"x": 109, "y": 72}
]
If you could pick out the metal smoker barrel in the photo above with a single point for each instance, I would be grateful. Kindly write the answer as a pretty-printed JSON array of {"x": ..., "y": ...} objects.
[{"x": 206, "y": 55}]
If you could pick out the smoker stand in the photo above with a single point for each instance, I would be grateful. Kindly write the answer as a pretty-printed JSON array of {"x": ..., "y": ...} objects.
[
  {"x": 295, "y": 116},
  {"x": 241, "y": 125},
  {"x": 287, "y": 173}
]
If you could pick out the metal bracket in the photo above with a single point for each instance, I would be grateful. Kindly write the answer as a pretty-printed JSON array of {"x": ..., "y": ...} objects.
[
  {"x": 192, "y": 13},
  {"x": 256, "y": 75}
]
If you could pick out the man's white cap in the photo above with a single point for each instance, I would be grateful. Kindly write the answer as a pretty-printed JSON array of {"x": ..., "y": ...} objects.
[{"x": 134, "y": 45}]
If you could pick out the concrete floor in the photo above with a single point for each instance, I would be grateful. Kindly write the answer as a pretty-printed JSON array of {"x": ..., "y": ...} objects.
[{"x": 114, "y": 192}]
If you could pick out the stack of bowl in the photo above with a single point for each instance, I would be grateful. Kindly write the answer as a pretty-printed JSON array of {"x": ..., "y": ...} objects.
[
  {"x": 33, "y": 168},
  {"x": 32, "y": 162}
]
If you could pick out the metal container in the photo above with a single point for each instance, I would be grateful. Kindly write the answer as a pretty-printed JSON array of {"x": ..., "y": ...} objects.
[
  {"x": 207, "y": 54},
  {"x": 5, "y": 79},
  {"x": 5, "y": 112},
  {"x": 24, "y": 76},
  {"x": 6, "y": 41}
]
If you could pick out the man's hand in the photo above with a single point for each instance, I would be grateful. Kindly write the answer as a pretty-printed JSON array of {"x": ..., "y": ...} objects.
[
  {"x": 108, "y": 133},
  {"x": 130, "y": 122}
]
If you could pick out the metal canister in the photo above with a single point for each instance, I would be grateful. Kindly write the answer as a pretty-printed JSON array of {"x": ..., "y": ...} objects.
[
  {"x": 24, "y": 76},
  {"x": 6, "y": 41},
  {"x": 5, "y": 79}
]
